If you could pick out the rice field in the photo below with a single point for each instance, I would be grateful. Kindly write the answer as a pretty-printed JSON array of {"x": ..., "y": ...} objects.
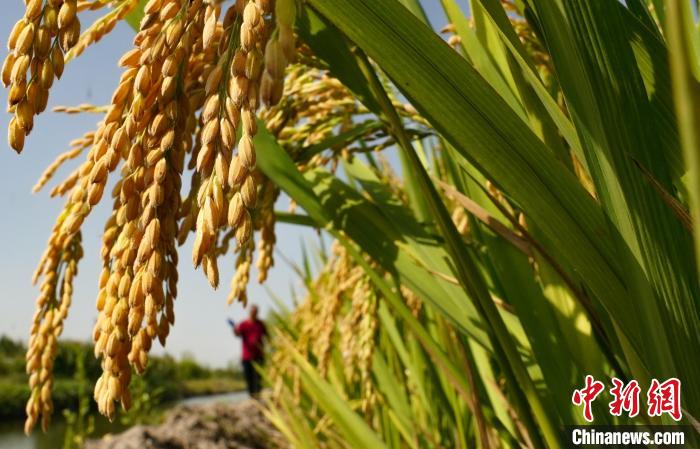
[{"x": 510, "y": 197}]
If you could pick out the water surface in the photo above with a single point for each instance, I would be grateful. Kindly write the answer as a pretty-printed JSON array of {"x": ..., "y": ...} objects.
[{"x": 12, "y": 434}]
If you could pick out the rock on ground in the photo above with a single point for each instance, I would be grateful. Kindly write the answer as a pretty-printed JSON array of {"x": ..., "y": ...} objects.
[{"x": 238, "y": 425}]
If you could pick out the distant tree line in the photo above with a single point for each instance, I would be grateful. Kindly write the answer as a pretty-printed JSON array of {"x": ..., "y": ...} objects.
[{"x": 166, "y": 379}]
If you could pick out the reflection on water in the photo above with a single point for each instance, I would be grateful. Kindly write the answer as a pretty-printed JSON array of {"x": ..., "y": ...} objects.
[
  {"x": 12, "y": 434},
  {"x": 226, "y": 397}
]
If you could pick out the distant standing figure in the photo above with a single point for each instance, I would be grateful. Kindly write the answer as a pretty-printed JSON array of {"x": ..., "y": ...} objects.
[{"x": 252, "y": 332}]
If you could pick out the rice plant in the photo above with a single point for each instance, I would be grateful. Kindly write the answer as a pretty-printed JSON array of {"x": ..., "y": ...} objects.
[{"x": 536, "y": 227}]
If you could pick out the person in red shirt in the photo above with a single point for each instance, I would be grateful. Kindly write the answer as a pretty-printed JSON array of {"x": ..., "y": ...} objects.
[{"x": 252, "y": 332}]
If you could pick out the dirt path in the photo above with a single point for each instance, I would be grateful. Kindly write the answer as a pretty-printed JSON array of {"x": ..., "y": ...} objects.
[{"x": 239, "y": 425}]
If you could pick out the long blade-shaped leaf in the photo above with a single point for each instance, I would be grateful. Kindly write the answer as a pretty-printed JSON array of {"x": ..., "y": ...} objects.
[
  {"x": 477, "y": 122},
  {"x": 593, "y": 49},
  {"x": 355, "y": 430},
  {"x": 686, "y": 89}
]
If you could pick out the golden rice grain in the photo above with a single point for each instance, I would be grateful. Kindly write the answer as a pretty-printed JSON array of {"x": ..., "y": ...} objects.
[
  {"x": 29, "y": 43},
  {"x": 239, "y": 282},
  {"x": 189, "y": 74},
  {"x": 266, "y": 224},
  {"x": 52, "y": 309}
]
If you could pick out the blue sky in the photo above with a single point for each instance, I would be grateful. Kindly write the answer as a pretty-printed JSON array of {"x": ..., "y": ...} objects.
[{"x": 200, "y": 328}]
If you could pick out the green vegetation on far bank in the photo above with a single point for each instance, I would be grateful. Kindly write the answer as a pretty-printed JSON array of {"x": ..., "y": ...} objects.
[
  {"x": 165, "y": 380},
  {"x": 211, "y": 385}
]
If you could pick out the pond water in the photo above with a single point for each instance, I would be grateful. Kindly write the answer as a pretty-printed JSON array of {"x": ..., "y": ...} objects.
[{"x": 12, "y": 435}]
